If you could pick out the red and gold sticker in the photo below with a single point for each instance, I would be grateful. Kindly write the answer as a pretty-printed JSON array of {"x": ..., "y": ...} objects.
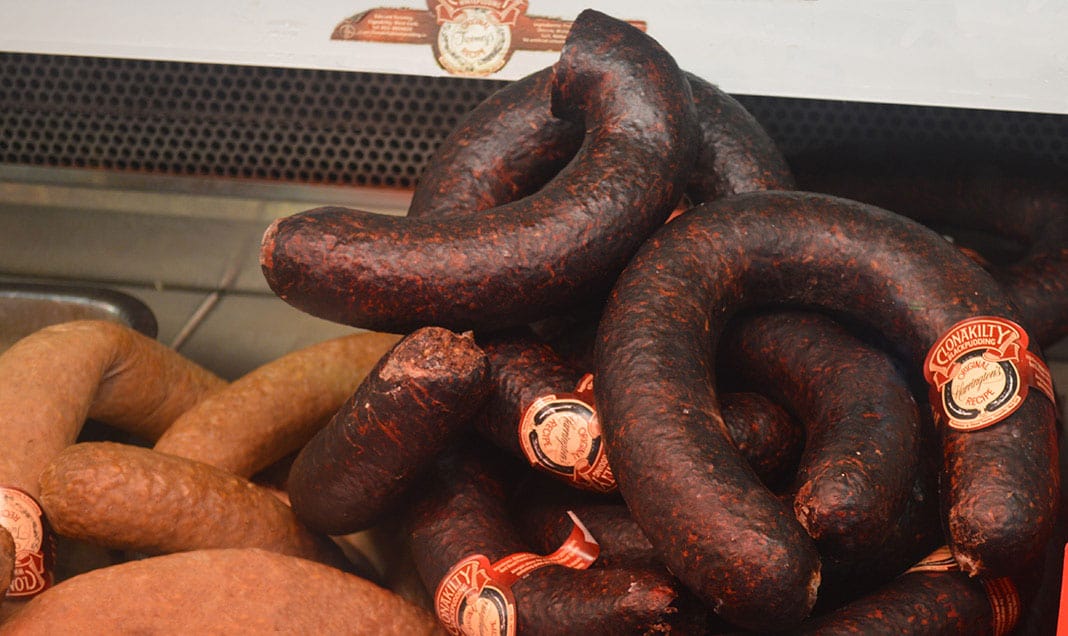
[
  {"x": 578, "y": 551},
  {"x": 941, "y": 560},
  {"x": 562, "y": 435},
  {"x": 470, "y": 601},
  {"x": 1005, "y": 605},
  {"x": 22, "y": 517},
  {"x": 474, "y": 598},
  {"x": 980, "y": 372},
  {"x": 475, "y": 38},
  {"x": 469, "y": 37}
]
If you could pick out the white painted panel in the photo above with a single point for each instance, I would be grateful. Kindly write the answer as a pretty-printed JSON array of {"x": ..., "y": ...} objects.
[{"x": 964, "y": 53}]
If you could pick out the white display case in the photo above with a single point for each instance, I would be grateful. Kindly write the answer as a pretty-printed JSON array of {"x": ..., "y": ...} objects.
[{"x": 955, "y": 53}]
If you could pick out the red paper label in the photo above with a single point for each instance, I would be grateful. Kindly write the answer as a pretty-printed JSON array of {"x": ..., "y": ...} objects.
[
  {"x": 475, "y": 598},
  {"x": 470, "y": 601},
  {"x": 1005, "y": 604},
  {"x": 21, "y": 516},
  {"x": 980, "y": 372},
  {"x": 561, "y": 434},
  {"x": 1004, "y": 598},
  {"x": 941, "y": 560},
  {"x": 468, "y": 37}
]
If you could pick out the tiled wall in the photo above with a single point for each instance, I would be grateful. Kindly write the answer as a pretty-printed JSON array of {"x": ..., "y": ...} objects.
[{"x": 188, "y": 250}]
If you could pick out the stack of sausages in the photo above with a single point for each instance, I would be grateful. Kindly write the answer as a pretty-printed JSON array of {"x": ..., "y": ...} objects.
[{"x": 623, "y": 374}]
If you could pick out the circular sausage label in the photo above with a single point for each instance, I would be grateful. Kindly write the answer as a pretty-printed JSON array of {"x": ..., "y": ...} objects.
[
  {"x": 982, "y": 386},
  {"x": 472, "y": 41},
  {"x": 562, "y": 435},
  {"x": 979, "y": 372},
  {"x": 22, "y": 517},
  {"x": 474, "y": 598},
  {"x": 470, "y": 602}
]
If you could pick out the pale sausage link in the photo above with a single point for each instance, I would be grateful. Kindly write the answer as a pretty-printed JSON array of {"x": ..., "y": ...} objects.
[
  {"x": 7, "y": 560},
  {"x": 221, "y": 592},
  {"x": 126, "y": 497},
  {"x": 275, "y": 409},
  {"x": 54, "y": 379}
]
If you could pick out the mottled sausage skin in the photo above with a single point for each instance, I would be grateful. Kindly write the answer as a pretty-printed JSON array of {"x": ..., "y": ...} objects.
[
  {"x": 909, "y": 538},
  {"x": 523, "y": 368},
  {"x": 699, "y": 503},
  {"x": 524, "y": 260},
  {"x": 766, "y": 435},
  {"x": 737, "y": 154},
  {"x": 862, "y": 425},
  {"x": 510, "y": 145},
  {"x": 540, "y": 506},
  {"x": 130, "y": 498},
  {"x": 407, "y": 409},
  {"x": 1000, "y": 490},
  {"x": 7, "y": 560},
  {"x": 222, "y": 591},
  {"x": 272, "y": 411},
  {"x": 502, "y": 150},
  {"x": 1013, "y": 199},
  {"x": 920, "y": 603},
  {"x": 462, "y": 512},
  {"x": 56, "y": 377}
]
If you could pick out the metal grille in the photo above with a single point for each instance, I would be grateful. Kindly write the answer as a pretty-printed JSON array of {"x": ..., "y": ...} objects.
[
  {"x": 226, "y": 120},
  {"x": 803, "y": 126},
  {"x": 331, "y": 127}
]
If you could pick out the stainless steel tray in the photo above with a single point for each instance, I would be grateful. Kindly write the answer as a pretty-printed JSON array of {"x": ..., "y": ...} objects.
[{"x": 27, "y": 307}]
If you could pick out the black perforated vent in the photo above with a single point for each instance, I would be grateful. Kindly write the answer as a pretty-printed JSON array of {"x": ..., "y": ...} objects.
[
  {"x": 228, "y": 121},
  {"x": 808, "y": 125},
  {"x": 329, "y": 127}
]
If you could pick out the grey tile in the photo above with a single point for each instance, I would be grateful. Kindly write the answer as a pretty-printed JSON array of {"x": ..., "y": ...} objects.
[
  {"x": 126, "y": 247},
  {"x": 172, "y": 307},
  {"x": 187, "y": 196},
  {"x": 247, "y": 273},
  {"x": 391, "y": 202},
  {"x": 136, "y": 201},
  {"x": 243, "y": 332}
]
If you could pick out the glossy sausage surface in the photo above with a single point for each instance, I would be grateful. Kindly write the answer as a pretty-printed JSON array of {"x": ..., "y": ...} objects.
[
  {"x": 1014, "y": 210},
  {"x": 862, "y": 426},
  {"x": 530, "y": 258},
  {"x": 463, "y": 512},
  {"x": 414, "y": 401},
  {"x": 690, "y": 491},
  {"x": 510, "y": 145}
]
